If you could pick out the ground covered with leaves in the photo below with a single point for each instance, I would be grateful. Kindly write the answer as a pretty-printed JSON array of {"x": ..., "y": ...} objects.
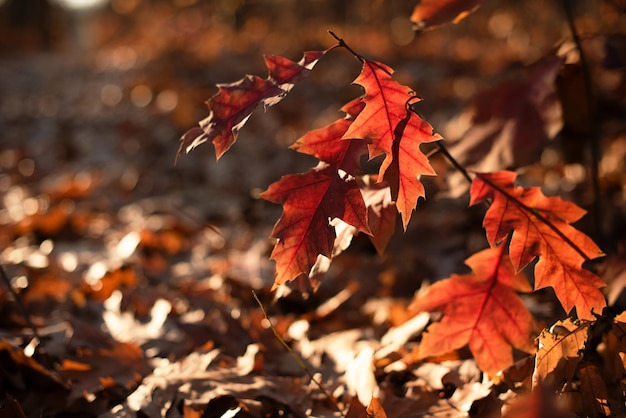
[{"x": 135, "y": 272}]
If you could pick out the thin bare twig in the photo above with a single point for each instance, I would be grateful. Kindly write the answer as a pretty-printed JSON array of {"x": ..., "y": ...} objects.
[
  {"x": 452, "y": 161},
  {"x": 295, "y": 355}
]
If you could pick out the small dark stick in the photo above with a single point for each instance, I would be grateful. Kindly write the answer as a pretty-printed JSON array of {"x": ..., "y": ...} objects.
[{"x": 297, "y": 357}]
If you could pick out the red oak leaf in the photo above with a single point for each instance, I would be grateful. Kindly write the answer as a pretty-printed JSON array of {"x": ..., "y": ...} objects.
[
  {"x": 391, "y": 129},
  {"x": 234, "y": 103},
  {"x": 541, "y": 228},
  {"x": 430, "y": 13},
  {"x": 481, "y": 310},
  {"x": 310, "y": 201}
]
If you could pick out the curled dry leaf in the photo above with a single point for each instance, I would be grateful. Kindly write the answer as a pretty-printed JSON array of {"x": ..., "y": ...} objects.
[
  {"x": 560, "y": 351},
  {"x": 375, "y": 409}
]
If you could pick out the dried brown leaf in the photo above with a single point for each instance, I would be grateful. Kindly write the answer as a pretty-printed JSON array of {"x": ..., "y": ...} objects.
[{"x": 560, "y": 351}]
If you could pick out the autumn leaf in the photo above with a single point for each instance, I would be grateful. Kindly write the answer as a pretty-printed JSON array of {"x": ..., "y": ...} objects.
[
  {"x": 560, "y": 351},
  {"x": 481, "y": 310},
  {"x": 430, "y": 13},
  {"x": 541, "y": 228},
  {"x": 510, "y": 123},
  {"x": 391, "y": 129},
  {"x": 310, "y": 201},
  {"x": 234, "y": 103},
  {"x": 408, "y": 164}
]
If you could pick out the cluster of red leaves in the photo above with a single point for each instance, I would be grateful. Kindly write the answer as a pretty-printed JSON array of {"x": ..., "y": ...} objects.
[
  {"x": 482, "y": 309},
  {"x": 335, "y": 188},
  {"x": 381, "y": 123}
]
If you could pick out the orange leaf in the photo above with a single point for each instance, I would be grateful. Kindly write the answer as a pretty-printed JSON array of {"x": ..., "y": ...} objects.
[
  {"x": 480, "y": 309},
  {"x": 234, "y": 103},
  {"x": 430, "y": 13},
  {"x": 408, "y": 164},
  {"x": 391, "y": 129},
  {"x": 541, "y": 228}
]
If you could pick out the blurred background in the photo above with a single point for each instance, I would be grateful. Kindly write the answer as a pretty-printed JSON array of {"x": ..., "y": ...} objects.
[{"x": 94, "y": 95}]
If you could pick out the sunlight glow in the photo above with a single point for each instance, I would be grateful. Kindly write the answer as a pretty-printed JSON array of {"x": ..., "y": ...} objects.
[{"x": 81, "y": 4}]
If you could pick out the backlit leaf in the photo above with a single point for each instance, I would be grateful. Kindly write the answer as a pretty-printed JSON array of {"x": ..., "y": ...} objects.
[
  {"x": 312, "y": 200},
  {"x": 391, "y": 129},
  {"x": 327, "y": 144},
  {"x": 560, "y": 351}
]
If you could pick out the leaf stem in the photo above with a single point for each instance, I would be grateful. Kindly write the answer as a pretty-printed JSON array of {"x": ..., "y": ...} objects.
[
  {"x": 593, "y": 141},
  {"x": 343, "y": 44},
  {"x": 295, "y": 355}
]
